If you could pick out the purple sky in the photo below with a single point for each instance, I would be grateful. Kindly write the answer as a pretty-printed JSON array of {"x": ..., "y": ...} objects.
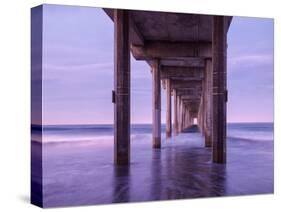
[{"x": 78, "y": 69}]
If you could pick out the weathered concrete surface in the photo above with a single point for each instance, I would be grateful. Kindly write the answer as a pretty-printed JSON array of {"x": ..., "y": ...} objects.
[
  {"x": 168, "y": 109},
  {"x": 167, "y": 26},
  {"x": 122, "y": 88},
  {"x": 175, "y": 111},
  {"x": 219, "y": 90},
  {"x": 208, "y": 103},
  {"x": 171, "y": 50},
  {"x": 172, "y": 72},
  {"x": 156, "y": 105}
]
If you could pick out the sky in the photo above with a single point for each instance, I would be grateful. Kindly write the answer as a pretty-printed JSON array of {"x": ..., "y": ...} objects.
[{"x": 78, "y": 70}]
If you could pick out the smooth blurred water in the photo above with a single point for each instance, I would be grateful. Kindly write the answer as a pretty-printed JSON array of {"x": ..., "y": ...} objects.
[
  {"x": 78, "y": 165},
  {"x": 70, "y": 133},
  {"x": 251, "y": 131}
]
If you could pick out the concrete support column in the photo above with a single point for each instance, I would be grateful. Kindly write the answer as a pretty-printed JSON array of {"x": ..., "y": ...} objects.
[
  {"x": 180, "y": 115},
  {"x": 186, "y": 118},
  {"x": 179, "y": 111},
  {"x": 208, "y": 100},
  {"x": 175, "y": 112},
  {"x": 156, "y": 105},
  {"x": 183, "y": 117},
  {"x": 203, "y": 108},
  {"x": 219, "y": 90},
  {"x": 168, "y": 110},
  {"x": 121, "y": 88},
  {"x": 200, "y": 115}
]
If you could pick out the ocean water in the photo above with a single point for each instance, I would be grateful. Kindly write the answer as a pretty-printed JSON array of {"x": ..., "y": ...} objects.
[
  {"x": 72, "y": 133},
  {"x": 78, "y": 165}
]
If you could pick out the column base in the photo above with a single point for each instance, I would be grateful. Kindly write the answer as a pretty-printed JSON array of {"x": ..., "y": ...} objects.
[
  {"x": 208, "y": 141},
  {"x": 168, "y": 134},
  {"x": 219, "y": 157},
  {"x": 157, "y": 143},
  {"x": 121, "y": 160},
  {"x": 220, "y": 161}
]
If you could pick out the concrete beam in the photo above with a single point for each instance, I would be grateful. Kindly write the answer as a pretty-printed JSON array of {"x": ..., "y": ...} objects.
[
  {"x": 190, "y": 91},
  {"x": 136, "y": 36},
  {"x": 121, "y": 88},
  {"x": 184, "y": 62},
  {"x": 181, "y": 72},
  {"x": 186, "y": 78},
  {"x": 193, "y": 114},
  {"x": 171, "y": 50},
  {"x": 176, "y": 84},
  {"x": 191, "y": 103},
  {"x": 194, "y": 71},
  {"x": 190, "y": 97},
  {"x": 197, "y": 89}
]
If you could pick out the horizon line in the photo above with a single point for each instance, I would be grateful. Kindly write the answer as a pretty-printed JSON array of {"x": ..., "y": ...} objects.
[{"x": 242, "y": 122}]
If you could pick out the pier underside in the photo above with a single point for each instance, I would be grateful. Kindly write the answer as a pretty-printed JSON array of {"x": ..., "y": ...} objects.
[{"x": 187, "y": 56}]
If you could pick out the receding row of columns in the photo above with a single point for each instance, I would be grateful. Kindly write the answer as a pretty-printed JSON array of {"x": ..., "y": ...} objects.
[
  {"x": 182, "y": 116},
  {"x": 212, "y": 109}
]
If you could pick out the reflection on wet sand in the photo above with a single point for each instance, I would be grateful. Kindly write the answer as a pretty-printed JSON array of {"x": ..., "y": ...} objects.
[
  {"x": 121, "y": 184},
  {"x": 76, "y": 174}
]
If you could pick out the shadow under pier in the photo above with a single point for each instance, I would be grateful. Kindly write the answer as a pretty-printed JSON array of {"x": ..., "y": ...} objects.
[{"x": 191, "y": 129}]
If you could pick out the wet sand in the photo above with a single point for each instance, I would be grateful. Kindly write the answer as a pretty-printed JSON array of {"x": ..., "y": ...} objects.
[{"x": 82, "y": 173}]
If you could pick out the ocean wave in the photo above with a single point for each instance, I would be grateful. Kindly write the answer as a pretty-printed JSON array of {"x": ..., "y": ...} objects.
[
  {"x": 249, "y": 138},
  {"x": 91, "y": 138},
  {"x": 139, "y": 133},
  {"x": 56, "y": 139}
]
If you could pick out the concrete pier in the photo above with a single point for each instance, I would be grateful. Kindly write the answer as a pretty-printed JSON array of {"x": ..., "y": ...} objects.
[
  {"x": 208, "y": 103},
  {"x": 178, "y": 113},
  {"x": 121, "y": 88},
  {"x": 219, "y": 90},
  {"x": 175, "y": 112},
  {"x": 188, "y": 54},
  {"x": 168, "y": 110},
  {"x": 156, "y": 105}
]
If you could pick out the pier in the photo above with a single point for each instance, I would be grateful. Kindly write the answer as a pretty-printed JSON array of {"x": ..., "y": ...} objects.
[{"x": 187, "y": 54}]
